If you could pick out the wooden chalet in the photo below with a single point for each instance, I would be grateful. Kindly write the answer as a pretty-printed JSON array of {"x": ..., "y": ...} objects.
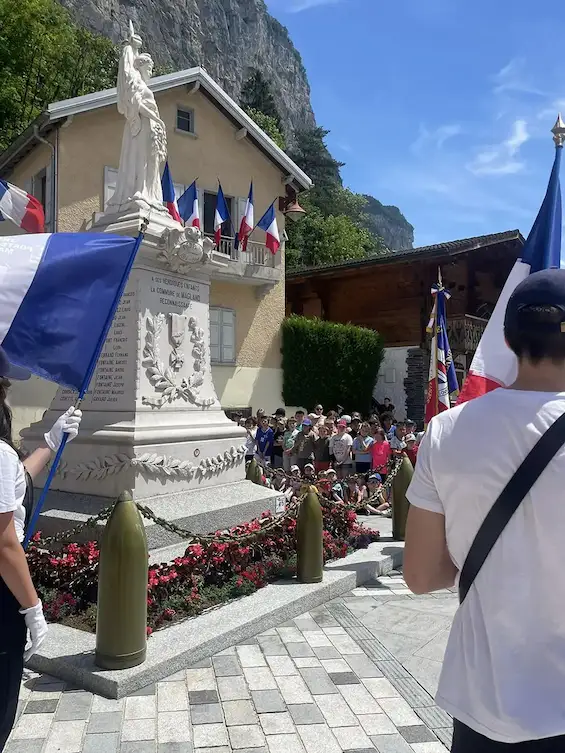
[{"x": 392, "y": 294}]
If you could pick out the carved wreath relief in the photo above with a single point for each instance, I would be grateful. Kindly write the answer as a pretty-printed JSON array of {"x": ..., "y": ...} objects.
[
  {"x": 163, "y": 378},
  {"x": 152, "y": 465}
]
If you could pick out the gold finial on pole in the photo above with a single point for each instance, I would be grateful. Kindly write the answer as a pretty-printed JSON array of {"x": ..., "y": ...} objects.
[
  {"x": 558, "y": 131},
  {"x": 440, "y": 281}
]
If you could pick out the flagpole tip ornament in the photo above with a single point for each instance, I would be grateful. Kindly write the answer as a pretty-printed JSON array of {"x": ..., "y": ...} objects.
[{"x": 558, "y": 131}]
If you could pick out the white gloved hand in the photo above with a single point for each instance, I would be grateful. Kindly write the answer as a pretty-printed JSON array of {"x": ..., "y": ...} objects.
[
  {"x": 35, "y": 623},
  {"x": 67, "y": 424}
]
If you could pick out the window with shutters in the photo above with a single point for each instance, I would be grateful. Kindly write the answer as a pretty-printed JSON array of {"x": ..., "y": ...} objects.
[
  {"x": 222, "y": 335},
  {"x": 210, "y": 199},
  {"x": 40, "y": 187}
]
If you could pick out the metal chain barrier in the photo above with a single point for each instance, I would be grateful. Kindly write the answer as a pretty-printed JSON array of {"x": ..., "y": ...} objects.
[
  {"x": 265, "y": 525},
  {"x": 392, "y": 469}
]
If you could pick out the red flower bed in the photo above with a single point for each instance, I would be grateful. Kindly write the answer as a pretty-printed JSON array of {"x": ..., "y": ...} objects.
[{"x": 207, "y": 574}]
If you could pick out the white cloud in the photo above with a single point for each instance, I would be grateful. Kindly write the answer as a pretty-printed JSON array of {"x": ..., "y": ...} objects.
[
  {"x": 513, "y": 77},
  {"x": 501, "y": 159},
  {"x": 297, "y": 6},
  {"x": 549, "y": 113},
  {"x": 436, "y": 137},
  {"x": 518, "y": 137}
]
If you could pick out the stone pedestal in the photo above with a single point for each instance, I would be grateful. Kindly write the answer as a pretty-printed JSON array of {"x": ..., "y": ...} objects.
[{"x": 152, "y": 421}]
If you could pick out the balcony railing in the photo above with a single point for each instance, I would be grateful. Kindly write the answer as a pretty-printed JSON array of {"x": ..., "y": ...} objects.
[
  {"x": 465, "y": 332},
  {"x": 256, "y": 253}
]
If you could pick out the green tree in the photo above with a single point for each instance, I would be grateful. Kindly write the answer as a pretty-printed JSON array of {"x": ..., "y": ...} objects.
[
  {"x": 310, "y": 153},
  {"x": 315, "y": 240},
  {"x": 45, "y": 57},
  {"x": 256, "y": 94},
  {"x": 267, "y": 124}
]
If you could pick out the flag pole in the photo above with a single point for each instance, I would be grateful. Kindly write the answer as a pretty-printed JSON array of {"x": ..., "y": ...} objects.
[
  {"x": 439, "y": 292},
  {"x": 86, "y": 382},
  {"x": 260, "y": 218}
]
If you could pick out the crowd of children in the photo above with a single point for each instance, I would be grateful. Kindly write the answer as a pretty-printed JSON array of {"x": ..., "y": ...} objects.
[{"x": 346, "y": 457}]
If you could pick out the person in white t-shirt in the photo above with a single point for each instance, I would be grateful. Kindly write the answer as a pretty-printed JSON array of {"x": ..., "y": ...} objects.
[
  {"x": 21, "y": 610},
  {"x": 503, "y": 675},
  {"x": 340, "y": 450}
]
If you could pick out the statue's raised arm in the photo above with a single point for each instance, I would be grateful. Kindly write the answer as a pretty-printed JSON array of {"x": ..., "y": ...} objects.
[{"x": 144, "y": 144}]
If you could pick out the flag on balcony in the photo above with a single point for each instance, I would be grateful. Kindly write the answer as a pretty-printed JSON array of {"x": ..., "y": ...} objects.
[
  {"x": 442, "y": 380},
  {"x": 221, "y": 215},
  {"x": 188, "y": 206},
  {"x": 21, "y": 208},
  {"x": 268, "y": 223},
  {"x": 169, "y": 198},
  {"x": 494, "y": 364},
  {"x": 247, "y": 221}
]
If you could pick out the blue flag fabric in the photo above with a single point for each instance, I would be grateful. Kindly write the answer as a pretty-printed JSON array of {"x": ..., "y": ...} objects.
[
  {"x": 57, "y": 293},
  {"x": 543, "y": 246},
  {"x": 443, "y": 343}
]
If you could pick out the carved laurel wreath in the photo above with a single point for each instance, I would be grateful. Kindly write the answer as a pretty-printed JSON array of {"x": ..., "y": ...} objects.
[
  {"x": 163, "y": 378},
  {"x": 151, "y": 464}
]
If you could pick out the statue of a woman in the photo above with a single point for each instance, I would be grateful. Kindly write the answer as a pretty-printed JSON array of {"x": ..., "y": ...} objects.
[{"x": 144, "y": 143}]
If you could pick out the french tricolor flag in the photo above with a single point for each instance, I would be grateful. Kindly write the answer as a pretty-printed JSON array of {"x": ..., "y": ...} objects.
[
  {"x": 494, "y": 364},
  {"x": 21, "y": 208},
  {"x": 188, "y": 206},
  {"x": 268, "y": 223},
  {"x": 169, "y": 197},
  {"x": 221, "y": 215},
  {"x": 247, "y": 221},
  {"x": 57, "y": 292}
]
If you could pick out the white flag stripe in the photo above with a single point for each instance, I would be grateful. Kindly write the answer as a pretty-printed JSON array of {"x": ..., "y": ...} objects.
[
  {"x": 492, "y": 348},
  {"x": 13, "y": 206},
  {"x": 20, "y": 256}
]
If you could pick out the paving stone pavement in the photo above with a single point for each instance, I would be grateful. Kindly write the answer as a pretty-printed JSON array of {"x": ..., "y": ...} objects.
[{"x": 354, "y": 675}]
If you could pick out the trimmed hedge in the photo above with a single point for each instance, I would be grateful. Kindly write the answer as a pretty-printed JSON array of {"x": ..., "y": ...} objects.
[{"x": 328, "y": 363}]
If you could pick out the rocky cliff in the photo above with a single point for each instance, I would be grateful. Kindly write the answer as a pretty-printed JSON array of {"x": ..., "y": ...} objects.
[
  {"x": 389, "y": 223},
  {"x": 229, "y": 38}
]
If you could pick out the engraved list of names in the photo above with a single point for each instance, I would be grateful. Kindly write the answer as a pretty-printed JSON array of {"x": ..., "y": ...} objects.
[{"x": 116, "y": 363}]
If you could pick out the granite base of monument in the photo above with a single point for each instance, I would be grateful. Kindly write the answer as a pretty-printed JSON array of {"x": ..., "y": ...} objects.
[
  {"x": 203, "y": 511},
  {"x": 152, "y": 423}
]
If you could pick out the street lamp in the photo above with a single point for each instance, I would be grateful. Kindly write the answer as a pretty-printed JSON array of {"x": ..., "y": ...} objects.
[{"x": 289, "y": 205}]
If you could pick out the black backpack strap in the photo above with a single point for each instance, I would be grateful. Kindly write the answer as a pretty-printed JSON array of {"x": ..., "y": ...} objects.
[
  {"x": 28, "y": 499},
  {"x": 508, "y": 502}
]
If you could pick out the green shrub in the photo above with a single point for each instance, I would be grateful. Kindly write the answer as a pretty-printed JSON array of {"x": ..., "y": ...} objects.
[{"x": 328, "y": 363}]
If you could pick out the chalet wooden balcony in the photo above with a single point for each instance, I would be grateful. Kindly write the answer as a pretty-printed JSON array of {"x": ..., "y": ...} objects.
[{"x": 464, "y": 333}]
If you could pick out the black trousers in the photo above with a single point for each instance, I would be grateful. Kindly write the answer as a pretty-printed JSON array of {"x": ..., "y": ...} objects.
[
  {"x": 13, "y": 636},
  {"x": 466, "y": 740}
]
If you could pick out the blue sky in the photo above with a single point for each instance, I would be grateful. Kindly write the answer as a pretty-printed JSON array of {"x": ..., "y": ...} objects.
[{"x": 442, "y": 107}]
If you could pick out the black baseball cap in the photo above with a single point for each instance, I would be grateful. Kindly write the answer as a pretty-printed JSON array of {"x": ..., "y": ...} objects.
[
  {"x": 537, "y": 304},
  {"x": 10, "y": 371}
]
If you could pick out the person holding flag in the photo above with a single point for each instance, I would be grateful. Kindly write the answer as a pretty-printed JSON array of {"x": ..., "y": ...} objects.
[
  {"x": 247, "y": 221},
  {"x": 58, "y": 298},
  {"x": 442, "y": 380},
  {"x": 486, "y": 511},
  {"x": 220, "y": 216},
  {"x": 21, "y": 610},
  {"x": 169, "y": 197},
  {"x": 188, "y": 206}
]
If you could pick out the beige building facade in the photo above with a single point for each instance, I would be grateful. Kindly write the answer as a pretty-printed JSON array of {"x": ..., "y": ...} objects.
[{"x": 69, "y": 158}]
